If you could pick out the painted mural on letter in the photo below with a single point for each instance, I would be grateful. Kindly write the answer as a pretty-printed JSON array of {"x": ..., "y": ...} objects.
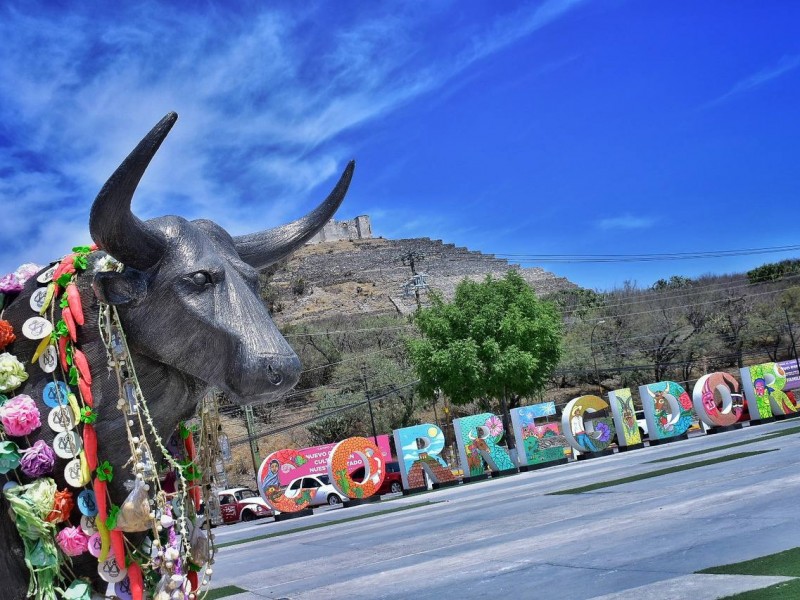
[
  {"x": 625, "y": 417},
  {"x": 540, "y": 443},
  {"x": 669, "y": 411},
  {"x": 477, "y": 437}
]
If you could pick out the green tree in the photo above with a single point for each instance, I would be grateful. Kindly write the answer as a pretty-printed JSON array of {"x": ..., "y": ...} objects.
[{"x": 495, "y": 340}]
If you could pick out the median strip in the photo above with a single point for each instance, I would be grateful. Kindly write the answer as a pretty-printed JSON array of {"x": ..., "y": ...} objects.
[
  {"x": 763, "y": 438},
  {"x": 658, "y": 473},
  {"x": 786, "y": 563},
  {"x": 318, "y": 525}
]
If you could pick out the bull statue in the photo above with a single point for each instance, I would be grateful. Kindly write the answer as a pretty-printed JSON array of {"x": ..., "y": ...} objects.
[{"x": 189, "y": 305}]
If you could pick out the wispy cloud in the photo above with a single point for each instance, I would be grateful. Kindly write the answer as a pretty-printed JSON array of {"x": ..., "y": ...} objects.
[
  {"x": 265, "y": 97},
  {"x": 784, "y": 66},
  {"x": 626, "y": 222}
]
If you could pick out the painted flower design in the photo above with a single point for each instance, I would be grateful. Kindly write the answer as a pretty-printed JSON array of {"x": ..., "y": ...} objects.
[
  {"x": 20, "y": 416},
  {"x": 494, "y": 425},
  {"x": 604, "y": 431},
  {"x": 12, "y": 373},
  {"x": 685, "y": 401}
]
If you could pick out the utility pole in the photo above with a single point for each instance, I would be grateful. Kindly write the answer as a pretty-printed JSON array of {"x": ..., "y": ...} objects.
[
  {"x": 408, "y": 260},
  {"x": 248, "y": 415},
  {"x": 369, "y": 403}
]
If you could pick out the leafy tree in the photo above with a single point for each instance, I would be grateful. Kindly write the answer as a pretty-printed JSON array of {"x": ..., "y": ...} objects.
[{"x": 495, "y": 340}]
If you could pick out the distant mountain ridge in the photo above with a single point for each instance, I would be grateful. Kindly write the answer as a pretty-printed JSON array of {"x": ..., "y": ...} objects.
[{"x": 367, "y": 276}]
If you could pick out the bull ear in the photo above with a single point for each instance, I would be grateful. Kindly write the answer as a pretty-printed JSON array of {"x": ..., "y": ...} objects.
[
  {"x": 117, "y": 289},
  {"x": 264, "y": 248}
]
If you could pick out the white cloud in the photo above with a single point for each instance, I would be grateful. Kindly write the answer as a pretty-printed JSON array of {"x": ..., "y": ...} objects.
[
  {"x": 626, "y": 222},
  {"x": 784, "y": 66},
  {"x": 264, "y": 99}
]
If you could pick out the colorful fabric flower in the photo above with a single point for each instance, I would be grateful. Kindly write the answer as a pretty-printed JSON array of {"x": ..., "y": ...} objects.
[
  {"x": 88, "y": 415},
  {"x": 9, "y": 284},
  {"x": 6, "y": 334},
  {"x": 12, "y": 373},
  {"x": 20, "y": 416},
  {"x": 63, "y": 503},
  {"x": 494, "y": 425},
  {"x": 38, "y": 460},
  {"x": 26, "y": 271},
  {"x": 9, "y": 456},
  {"x": 105, "y": 472},
  {"x": 72, "y": 541}
]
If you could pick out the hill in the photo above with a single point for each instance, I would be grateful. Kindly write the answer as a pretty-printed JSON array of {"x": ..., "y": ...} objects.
[{"x": 368, "y": 277}]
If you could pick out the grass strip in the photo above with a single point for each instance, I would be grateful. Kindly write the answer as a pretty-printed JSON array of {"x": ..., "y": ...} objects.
[
  {"x": 227, "y": 590},
  {"x": 779, "y": 591},
  {"x": 327, "y": 523},
  {"x": 769, "y": 436},
  {"x": 786, "y": 563},
  {"x": 658, "y": 473}
]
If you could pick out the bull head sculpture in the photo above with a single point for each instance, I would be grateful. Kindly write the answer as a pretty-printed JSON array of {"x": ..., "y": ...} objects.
[{"x": 192, "y": 279}]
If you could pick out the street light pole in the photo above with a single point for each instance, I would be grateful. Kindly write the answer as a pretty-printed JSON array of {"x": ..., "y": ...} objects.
[{"x": 594, "y": 358}]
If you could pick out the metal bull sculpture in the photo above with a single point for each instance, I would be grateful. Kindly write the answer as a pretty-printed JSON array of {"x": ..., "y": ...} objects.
[{"x": 188, "y": 301}]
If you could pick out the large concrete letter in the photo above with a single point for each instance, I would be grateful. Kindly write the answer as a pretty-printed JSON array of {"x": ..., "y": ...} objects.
[
  {"x": 538, "y": 444},
  {"x": 476, "y": 438},
  {"x": 667, "y": 409},
  {"x": 716, "y": 399},
  {"x": 624, "y": 417},
  {"x": 339, "y": 467},
  {"x": 418, "y": 448},
  {"x": 271, "y": 489},
  {"x": 763, "y": 388},
  {"x": 587, "y": 424}
]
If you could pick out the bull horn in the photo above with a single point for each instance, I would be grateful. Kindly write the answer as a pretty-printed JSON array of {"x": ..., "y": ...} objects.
[
  {"x": 267, "y": 247},
  {"x": 112, "y": 225},
  {"x": 652, "y": 395}
]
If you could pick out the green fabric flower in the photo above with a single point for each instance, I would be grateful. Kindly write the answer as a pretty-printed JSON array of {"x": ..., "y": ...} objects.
[
  {"x": 113, "y": 514},
  {"x": 12, "y": 373},
  {"x": 9, "y": 456},
  {"x": 88, "y": 415},
  {"x": 105, "y": 472}
]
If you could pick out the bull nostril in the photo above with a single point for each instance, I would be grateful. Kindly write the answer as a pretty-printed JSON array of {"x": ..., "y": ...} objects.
[{"x": 274, "y": 378}]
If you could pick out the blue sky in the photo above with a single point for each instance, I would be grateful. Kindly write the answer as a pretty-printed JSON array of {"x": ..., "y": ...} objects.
[{"x": 554, "y": 127}]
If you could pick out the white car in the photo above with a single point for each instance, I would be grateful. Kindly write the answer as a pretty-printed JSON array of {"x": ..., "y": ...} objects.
[
  {"x": 320, "y": 488},
  {"x": 642, "y": 423}
]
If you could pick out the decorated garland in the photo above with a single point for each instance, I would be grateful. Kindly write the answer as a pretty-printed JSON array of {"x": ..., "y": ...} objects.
[{"x": 167, "y": 564}]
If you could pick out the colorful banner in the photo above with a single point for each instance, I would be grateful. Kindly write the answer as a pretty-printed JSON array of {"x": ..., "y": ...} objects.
[
  {"x": 418, "y": 452},
  {"x": 624, "y": 412},
  {"x": 315, "y": 460},
  {"x": 476, "y": 438},
  {"x": 587, "y": 424},
  {"x": 542, "y": 443},
  {"x": 667, "y": 409}
]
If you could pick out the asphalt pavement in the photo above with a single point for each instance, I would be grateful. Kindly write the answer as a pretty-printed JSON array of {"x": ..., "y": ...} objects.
[{"x": 508, "y": 537}]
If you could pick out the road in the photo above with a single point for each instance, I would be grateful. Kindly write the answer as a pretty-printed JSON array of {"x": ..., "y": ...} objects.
[{"x": 507, "y": 537}]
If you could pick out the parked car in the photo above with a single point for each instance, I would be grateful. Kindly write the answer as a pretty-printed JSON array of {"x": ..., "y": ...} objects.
[
  {"x": 242, "y": 504},
  {"x": 320, "y": 488},
  {"x": 392, "y": 482},
  {"x": 642, "y": 423}
]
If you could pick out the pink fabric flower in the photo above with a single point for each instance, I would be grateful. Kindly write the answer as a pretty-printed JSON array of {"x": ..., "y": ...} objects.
[
  {"x": 9, "y": 284},
  {"x": 72, "y": 541},
  {"x": 20, "y": 416},
  {"x": 38, "y": 460}
]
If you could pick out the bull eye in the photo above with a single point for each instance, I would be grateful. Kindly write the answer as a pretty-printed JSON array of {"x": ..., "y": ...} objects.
[{"x": 201, "y": 278}]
